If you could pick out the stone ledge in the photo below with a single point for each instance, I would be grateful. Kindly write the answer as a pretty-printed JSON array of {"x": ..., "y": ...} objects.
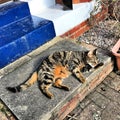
[{"x": 33, "y": 105}]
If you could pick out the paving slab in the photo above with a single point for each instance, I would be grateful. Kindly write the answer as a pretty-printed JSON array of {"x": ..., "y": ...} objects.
[
  {"x": 113, "y": 82},
  {"x": 85, "y": 103},
  {"x": 99, "y": 99},
  {"x": 109, "y": 92},
  {"x": 112, "y": 112},
  {"x": 91, "y": 112},
  {"x": 32, "y": 104}
]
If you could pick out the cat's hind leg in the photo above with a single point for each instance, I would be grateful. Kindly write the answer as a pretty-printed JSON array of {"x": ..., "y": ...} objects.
[
  {"x": 45, "y": 89},
  {"x": 58, "y": 84}
]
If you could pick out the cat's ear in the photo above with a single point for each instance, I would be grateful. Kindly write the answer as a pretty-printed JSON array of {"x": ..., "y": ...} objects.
[
  {"x": 94, "y": 51},
  {"x": 85, "y": 54}
]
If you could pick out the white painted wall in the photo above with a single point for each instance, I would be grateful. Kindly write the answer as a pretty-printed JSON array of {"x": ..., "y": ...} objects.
[
  {"x": 63, "y": 20},
  {"x": 38, "y": 5}
]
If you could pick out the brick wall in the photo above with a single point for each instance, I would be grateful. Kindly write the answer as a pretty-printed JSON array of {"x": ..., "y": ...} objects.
[
  {"x": 80, "y": 1},
  {"x": 71, "y": 104},
  {"x": 3, "y": 1},
  {"x": 74, "y": 1},
  {"x": 84, "y": 26}
]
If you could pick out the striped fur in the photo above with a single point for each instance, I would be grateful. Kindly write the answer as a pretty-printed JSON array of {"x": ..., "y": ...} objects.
[{"x": 59, "y": 66}]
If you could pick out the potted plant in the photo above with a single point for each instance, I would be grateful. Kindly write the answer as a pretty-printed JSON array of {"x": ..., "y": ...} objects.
[{"x": 116, "y": 52}]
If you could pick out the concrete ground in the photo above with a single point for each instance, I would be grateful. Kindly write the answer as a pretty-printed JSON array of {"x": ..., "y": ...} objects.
[{"x": 102, "y": 104}]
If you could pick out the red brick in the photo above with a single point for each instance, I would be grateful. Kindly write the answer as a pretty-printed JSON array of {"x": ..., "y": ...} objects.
[
  {"x": 81, "y": 31},
  {"x": 59, "y": 1},
  {"x": 76, "y": 28},
  {"x": 72, "y": 36},
  {"x": 85, "y": 0},
  {"x": 83, "y": 27},
  {"x": 65, "y": 34},
  {"x": 73, "y": 30},
  {"x": 83, "y": 93},
  {"x": 83, "y": 23},
  {"x": 3, "y": 1},
  {"x": 76, "y": 1},
  {"x": 73, "y": 1},
  {"x": 98, "y": 79},
  {"x": 66, "y": 109}
]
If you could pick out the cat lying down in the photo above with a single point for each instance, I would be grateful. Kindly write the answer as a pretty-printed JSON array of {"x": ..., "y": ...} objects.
[{"x": 59, "y": 66}]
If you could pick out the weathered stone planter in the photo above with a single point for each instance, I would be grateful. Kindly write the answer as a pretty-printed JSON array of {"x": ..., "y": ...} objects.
[{"x": 115, "y": 51}]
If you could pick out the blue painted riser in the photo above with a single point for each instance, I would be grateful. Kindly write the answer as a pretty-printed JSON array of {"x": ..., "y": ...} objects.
[
  {"x": 13, "y": 11},
  {"x": 39, "y": 32},
  {"x": 20, "y": 33},
  {"x": 13, "y": 31}
]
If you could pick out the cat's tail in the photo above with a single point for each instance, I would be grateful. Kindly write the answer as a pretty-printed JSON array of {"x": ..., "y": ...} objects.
[{"x": 29, "y": 82}]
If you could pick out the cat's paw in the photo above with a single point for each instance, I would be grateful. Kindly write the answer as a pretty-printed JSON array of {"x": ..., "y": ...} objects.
[
  {"x": 83, "y": 80},
  {"x": 99, "y": 65},
  {"x": 51, "y": 96},
  {"x": 65, "y": 88},
  {"x": 87, "y": 68}
]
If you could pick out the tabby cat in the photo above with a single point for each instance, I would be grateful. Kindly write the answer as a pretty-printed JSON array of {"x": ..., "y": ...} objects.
[{"x": 58, "y": 66}]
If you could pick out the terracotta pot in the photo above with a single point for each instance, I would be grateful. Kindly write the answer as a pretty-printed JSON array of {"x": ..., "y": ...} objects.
[{"x": 115, "y": 50}]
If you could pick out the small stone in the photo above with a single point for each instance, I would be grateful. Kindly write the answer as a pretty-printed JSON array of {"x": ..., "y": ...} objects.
[
  {"x": 2, "y": 116},
  {"x": 97, "y": 115}
]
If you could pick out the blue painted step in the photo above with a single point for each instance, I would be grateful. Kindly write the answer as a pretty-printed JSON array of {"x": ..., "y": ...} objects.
[
  {"x": 35, "y": 32},
  {"x": 13, "y": 11},
  {"x": 13, "y": 31}
]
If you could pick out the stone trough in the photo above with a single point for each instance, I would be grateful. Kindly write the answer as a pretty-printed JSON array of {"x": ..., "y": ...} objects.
[{"x": 32, "y": 104}]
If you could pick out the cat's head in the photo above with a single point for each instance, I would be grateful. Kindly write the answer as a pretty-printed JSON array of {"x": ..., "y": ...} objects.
[{"x": 91, "y": 58}]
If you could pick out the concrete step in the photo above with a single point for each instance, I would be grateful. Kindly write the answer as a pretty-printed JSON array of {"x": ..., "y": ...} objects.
[
  {"x": 13, "y": 11},
  {"x": 32, "y": 104},
  {"x": 55, "y": 13},
  {"x": 23, "y": 36}
]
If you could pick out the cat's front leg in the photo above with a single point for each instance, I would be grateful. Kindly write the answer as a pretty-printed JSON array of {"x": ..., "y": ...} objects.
[
  {"x": 78, "y": 74},
  {"x": 86, "y": 68}
]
